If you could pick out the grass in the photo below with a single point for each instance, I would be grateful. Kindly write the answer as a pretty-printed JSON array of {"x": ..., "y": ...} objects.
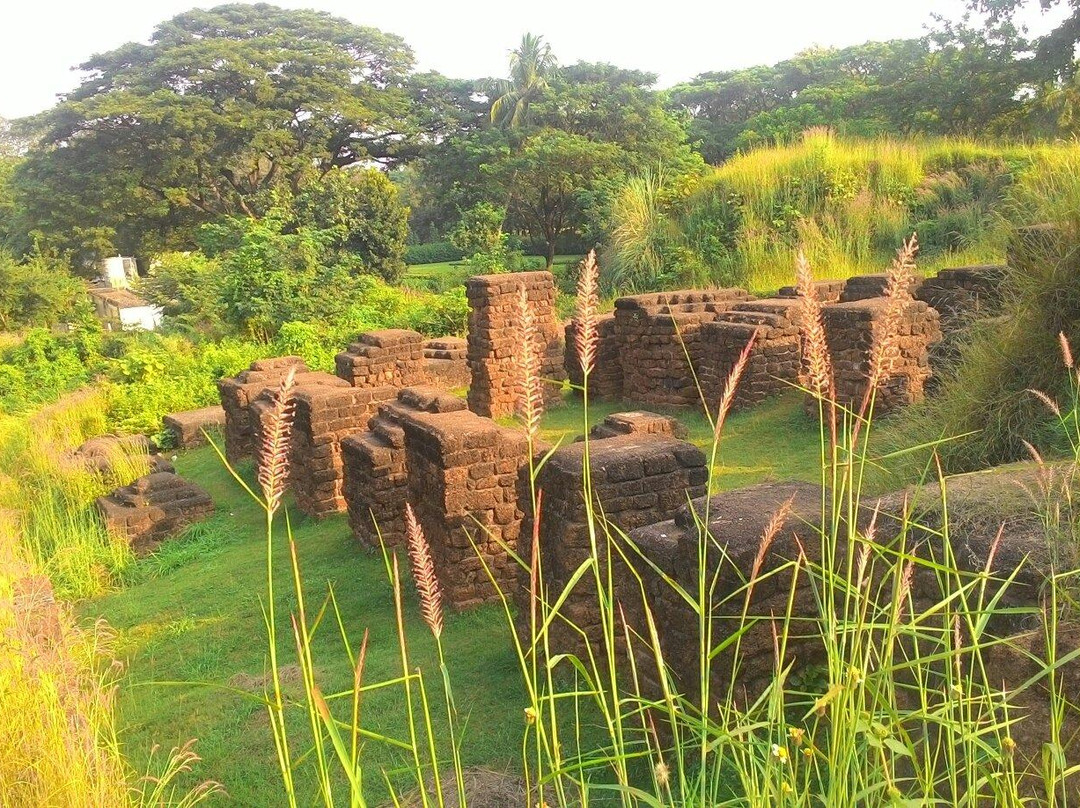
[{"x": 192, "y": 614}]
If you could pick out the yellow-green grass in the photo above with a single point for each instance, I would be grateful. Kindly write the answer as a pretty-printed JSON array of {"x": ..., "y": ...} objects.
[
  {"x": 848, "y": 202},
  {"x": 193, "y": 615}
]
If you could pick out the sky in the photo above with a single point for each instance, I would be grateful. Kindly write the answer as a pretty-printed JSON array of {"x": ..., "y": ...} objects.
[{"x": 41, "y": 40}]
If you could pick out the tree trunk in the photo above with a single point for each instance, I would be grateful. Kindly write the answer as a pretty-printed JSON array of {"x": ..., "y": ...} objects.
[{"x": 550, "y": 253}]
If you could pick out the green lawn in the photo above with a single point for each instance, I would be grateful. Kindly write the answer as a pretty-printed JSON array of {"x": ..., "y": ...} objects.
[{"x": 193, "y": 615}]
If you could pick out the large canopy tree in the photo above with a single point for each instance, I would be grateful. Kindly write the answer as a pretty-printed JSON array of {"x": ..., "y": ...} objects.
[{"x": 220, "y": 109}]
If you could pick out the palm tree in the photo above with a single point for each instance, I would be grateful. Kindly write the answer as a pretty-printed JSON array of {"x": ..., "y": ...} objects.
[{"x": 531, "y": 65}]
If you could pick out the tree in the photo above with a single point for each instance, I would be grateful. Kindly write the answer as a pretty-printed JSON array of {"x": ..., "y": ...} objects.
[
  {"x": 532, "y": 65},
  {"x": 219, "y": 110},
  {"x": 359, "y": 211},
  {"x": 39, "y": 291},
  {"x": 555, "y": 182}
]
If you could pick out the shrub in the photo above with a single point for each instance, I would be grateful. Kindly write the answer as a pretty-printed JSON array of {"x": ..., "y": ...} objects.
[
  {"x": 437, "y": 252},
  {"x": 39, "y": 291},
  {"x": 189, "y": 288}
]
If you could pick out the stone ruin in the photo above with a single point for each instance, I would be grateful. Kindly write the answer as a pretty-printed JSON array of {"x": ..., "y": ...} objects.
[
  {"x": 656, "y": 333},
  {"x": 849, "y": 332},
  {"x": 464, "y": 475},
  {"x": 113, "y": 456},
  {"x": 640, "y": 474},
  {"x": 825, "y": 291},
  {"x": 606, "y": 378},
  {"x": 189, "y": 429},
  {"x": 446, "y": 361},
  {"x": 153, "y": 508},
  {"x": 979, "y": 506},
  {"x": 376, "y": 477},
  {"x": 867, "y": 287},
  {"x": 775, "y": 359},
  {"x": 494, "y": 342},
  {"x": 961, "y": 295},
  {"x": 238, "y": 393},
  {"x": 393, "y": 357}
]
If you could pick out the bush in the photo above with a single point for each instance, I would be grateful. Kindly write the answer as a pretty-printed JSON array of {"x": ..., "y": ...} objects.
[
  {"x": 39, "y": 291},
  {"x": 436, "y": 252}
]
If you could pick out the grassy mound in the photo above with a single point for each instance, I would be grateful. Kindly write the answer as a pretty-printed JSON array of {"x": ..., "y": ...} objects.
[{"x": 846, "y": 202}]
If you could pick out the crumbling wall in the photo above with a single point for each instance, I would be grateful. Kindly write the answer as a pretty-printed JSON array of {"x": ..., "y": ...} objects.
[
  {"x": 850, "y": 329},
  {"x": 637, "y": 422},
  {"x": 464, "y": 471},
  {"x": 393, "y": 357},
  {"x": 775, "y": 359},
  {"x": 638, "y": 478},
  {"x": 866, "y": 287},
  {"x": 961, "y": 295},
  {"x": 657, "y": 333},
  {"x": 153, "y": 508},
  {"x": 446, "y": 361},
  {"x": 375, "y": 467},
  {"x": 606, "y": 378},
  {"x": 494, "y": 341},
  {"x": 825, "y": 291},
  {"x": 238, "y": 393},
  {"x": 324, "y": 415},
  {"x": 189, "y": 429}
]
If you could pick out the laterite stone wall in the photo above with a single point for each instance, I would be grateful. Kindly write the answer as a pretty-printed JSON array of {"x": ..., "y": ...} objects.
[
  {"x": 238, "y": 393},
  {"x": 464, "y": 474},
  {"x": 376, "y": 475},
  {"x": 849, "y": 331},
  {"x": 656, "y": 333},
  {"x": 494, "y": 341},
  {"x": 393, "y": 357}
]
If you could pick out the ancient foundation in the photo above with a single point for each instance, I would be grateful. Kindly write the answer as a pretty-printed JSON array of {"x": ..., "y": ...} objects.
[
  {"x": 154, "y": 508},
  {"x": 494, "y": 342},
  {"x": 464, "y": 471},
  {"x": 775, "y": 359},
  {"x": 446, "y": 362},
  {"x": 866, "y": 287},
  {"x": 606, "y": 378},
  {"x": 238, "y": 393},
  {"x": 850, "y": 330},
  {"x": 961, "y": 295},
  {"x": 375, "y": 473}
]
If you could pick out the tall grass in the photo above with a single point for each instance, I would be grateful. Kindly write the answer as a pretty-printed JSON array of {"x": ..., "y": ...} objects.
[
  {"x": 906, "y": 707},
  {"x": 846, "y": 203},
  {"x": 984, "y": 396}
]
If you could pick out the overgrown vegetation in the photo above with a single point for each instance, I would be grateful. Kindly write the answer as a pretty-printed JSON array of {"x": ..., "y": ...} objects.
[{"x": 846, "y": 203}]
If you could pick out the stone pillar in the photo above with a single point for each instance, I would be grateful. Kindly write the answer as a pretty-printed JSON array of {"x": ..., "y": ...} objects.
[
  {"x": 376, "y": 476},
  {"x": 464, "y": 471},
  {"x": 850, "y": 330},
  {"x": 495, "y": 338}
]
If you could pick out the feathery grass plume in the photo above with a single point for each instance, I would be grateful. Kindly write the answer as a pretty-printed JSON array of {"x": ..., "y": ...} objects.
[
  {"x": 585, "y": 335},
  {"x": 727, "y": 398},
  {"x": 530, "y": 403},
  {"x": 817, "y": 366},
  {"x": 768, "y": 535},
  {"x": 1066, "y": 350},
  {"x": 886, "y": 346},
  {"x": 274, "y": 452},
  {"x": 1045, "y": 399},
  {"x": 423, "y": 570}
]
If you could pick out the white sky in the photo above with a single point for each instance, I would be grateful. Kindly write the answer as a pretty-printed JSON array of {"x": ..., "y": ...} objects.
[{"x": 41, "y": 40}]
